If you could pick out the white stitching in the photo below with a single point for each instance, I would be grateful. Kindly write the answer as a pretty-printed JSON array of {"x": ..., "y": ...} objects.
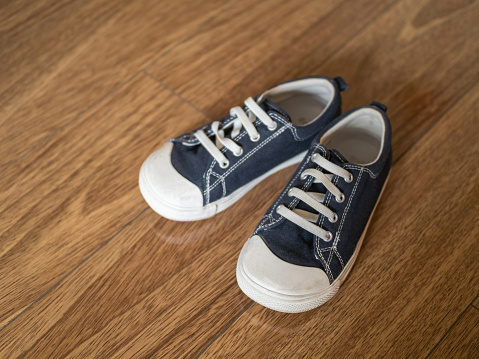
[
  {"x": 316, "y": 147},
  {"x": 287, "y": 124},
  {"x": 359, "y": 168},
  {"x": 222, "y": 181},
  {"x": 339, "y": 257},
  {"x": 330, "y": 274},
  {"x": 252, "y": 152},
  {"x": 336, "y": 240},
  {"x": 237, "y": 138}
]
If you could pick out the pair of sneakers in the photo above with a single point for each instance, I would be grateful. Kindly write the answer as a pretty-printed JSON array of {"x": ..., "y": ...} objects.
[{"x": 305, "y": 245}]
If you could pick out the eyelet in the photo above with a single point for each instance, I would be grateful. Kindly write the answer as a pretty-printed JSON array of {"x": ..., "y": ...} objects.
[
  {"x": 341, "y": 198},
  {"x": 239, "y": 153},
  {"x": 303, "y": 176},
  {"x": 329, "y": 237},
  {"x": 277, "y": 208},
  {"x": 255, "y": 139},
  {"x": 334, "y": 219},
  {"x": 225, "y": 164},
  {"x": 272, "y": 128},
  {"x": 314, "y": 156},
  {"x": 349, "y": 179},
  {"x": 290, "y": 193}
]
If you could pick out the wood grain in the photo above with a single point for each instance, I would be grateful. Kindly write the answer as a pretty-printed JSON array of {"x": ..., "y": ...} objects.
[
  {"x": 21, "y": 17},
  {"x": 68, "y": 197},
  {"x": 72, "y": 62},
  {"x": 463, "y": 340},
  {"x": 160, "y": 288},
  {"x": 415, "y": 273},
  {"x": 88, "y": 271},
  {"x": 418, "y": 57},
  {"x": 228, "y": 61}
]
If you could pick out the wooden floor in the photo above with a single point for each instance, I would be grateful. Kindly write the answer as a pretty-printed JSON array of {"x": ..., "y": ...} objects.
[{"x": 88, "y": 88}]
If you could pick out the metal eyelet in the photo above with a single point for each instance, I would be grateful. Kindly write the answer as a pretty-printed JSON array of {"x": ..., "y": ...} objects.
[
  {"x": 239, "y": 153},
  {"x": 303, "y": 176},
  {"x": 255, "y": 139},
  {"x": 349, "y": 179},
  {"x": 334, "y": 219},
  {"x": 224, "y": 164},
  {"x": 341, "y": 198},
  {"x": 314, "y": 155},
  {"x": 290, "y": 192},
  {"x": 272, "y": 128},
  {"x": 329, "y": 237},
  {"x": 277, "y": 208}
]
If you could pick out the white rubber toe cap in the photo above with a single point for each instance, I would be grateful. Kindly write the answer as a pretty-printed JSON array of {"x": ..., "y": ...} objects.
[
  {"x": 161, "y": 184},
  {"x": 266, "y": 270}
]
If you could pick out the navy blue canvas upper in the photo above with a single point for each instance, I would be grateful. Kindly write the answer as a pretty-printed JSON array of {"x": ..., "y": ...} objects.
[
  {"x": 295, "y": 245},
  {"x": 192, "y": 160}
]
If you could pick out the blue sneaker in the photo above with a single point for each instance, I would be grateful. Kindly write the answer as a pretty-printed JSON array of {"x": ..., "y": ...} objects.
[
  {"x": 305, "y": 245},
  {"x": 204, "y": 172}
]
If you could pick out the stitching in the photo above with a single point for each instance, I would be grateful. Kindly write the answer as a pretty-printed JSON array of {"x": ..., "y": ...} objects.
[
  {"x": 208, "y": 175},
  {"x": 252, "y": 152},
  {"x": 359, "y": 168},
  {"x": 209, "y": 187},
  {"x": 237, "y": 138},
  {"x": 222, "y": 181},
  {"x": 339, "y": 257},
  {"x": 286, "y": 123},
  {"x": 207, "y": 190},
  {"x": 336, "y": 240},
  {"x": 321, "y": 223},
  {"x": 339, "y": 158},
  {"x": 330, "y": 274},
  {"x": 316, "y": 147},
  {"x": 193, "y": 141}
]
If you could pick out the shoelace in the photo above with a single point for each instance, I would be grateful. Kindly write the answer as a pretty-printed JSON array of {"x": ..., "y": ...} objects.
[
  {"x": 242, "y": 120},
  {"x": 305, "y": 219}
]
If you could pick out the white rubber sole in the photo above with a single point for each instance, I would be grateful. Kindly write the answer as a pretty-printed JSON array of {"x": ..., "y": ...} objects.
[
  {"x": 179, "y": 213},
  {"x": 287, "y": 303}
]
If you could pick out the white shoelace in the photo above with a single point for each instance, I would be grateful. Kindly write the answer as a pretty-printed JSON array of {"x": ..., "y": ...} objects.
[
  {"x": 242, "y": 120},
  {"x": 305, "y": 219}
]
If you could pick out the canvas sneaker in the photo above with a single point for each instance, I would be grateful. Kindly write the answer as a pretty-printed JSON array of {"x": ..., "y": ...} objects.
[
  {"x": 304, "y": 247},
  {"x": 201, "y": 173}
]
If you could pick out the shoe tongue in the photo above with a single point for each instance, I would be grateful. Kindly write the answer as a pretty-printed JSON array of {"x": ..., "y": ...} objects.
[
  {"x": 333, "y": 156},
  {"x": 337, "y": 158},
  {"x": 268, "y": 105}
]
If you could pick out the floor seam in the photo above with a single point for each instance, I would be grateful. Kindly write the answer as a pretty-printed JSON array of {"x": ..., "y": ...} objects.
[
  {"x": 92, "y": 105},
  {"x": 185, "y": 100},
  {"x": 77, "y": 117},
  {"x": 76, "y": 267},
  {"x": 73, "y": 120},
  {"x": 224, "y": 329},
  {"x": 334, "y": 52},
  {"x": 450, "y": 328}
]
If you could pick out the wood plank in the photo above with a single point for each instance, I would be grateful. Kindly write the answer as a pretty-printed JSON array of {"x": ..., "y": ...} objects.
[
  {"x": 476, "y": 302},
  {"x": 228, "y": 61},
  {"x": 160, "y": 288},
  {"x": 417, "y": 269},
  {"x": 463, "y": 340},
  {"x": 68, "y": 197},
  {"x": 418, "y": 57},
  {"x": 21, "y": 17},
  {"x": 61, "y": 70}
]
